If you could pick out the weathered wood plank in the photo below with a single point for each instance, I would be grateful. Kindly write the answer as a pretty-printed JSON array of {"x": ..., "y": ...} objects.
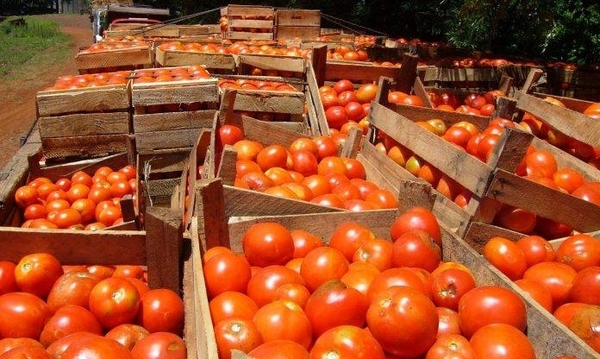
[
  {"x": 93, "y": 99},
  {"x": 173, "y": 121},
  {"x": 84, "y": 124},
  {"x": 85, "y": 146}
]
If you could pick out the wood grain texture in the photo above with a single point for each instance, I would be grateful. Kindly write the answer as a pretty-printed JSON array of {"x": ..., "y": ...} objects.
[
  {"x": 270, "y": 101},
  {"x": 358, "y": 71},
  {"x": 273, "y": 62},
  {"x": 157, "y": 140},
  {"x": 186, "y": 58},
  {"x": 173, "y": 121},
  {"x": 85, "y": 146},
  {"x": 93, "y": 99},
  {"x": 96, "y": 123},
  {"x": 176, "y": 92},
  {"x": 164, "y": 246},
  {"x": 130, "y": 57},
  {"x": 414, "y": 113}
]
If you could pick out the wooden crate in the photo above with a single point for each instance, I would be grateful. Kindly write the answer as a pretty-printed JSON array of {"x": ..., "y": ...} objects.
[
  {"x": 250, "y": 22},
  {"x": 198, "y": 29},
  {"x": 542, "y": 327},
  {"x": 222, "y": 63},
  {"x": 271, "y": 65},
  {"x": 144, "y": 30},
  {"x": 130, "y": 58},
  {"x": 102, "y": 99},
  {"x": 298, "y": 24}
]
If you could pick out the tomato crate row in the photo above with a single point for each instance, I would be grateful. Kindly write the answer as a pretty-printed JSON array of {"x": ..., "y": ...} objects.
[
  {"x": 216, "y": 228},
  {"x": 489, "y": 183}
]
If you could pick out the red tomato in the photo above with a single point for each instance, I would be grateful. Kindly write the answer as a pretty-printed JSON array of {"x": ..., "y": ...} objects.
[
  {"x": 232, "y": 304},
  {"x": 360, "y": 278},
  {"x": 226, "y": 271},
  {"x": 336, "y": 116},
  {"x": 304, "y": 162},
  {"x": 127, "y": 334},
  {"x": 230, "y": 134},
  {"x": 23, "y": 315},
  {"x": 490, "y": 304},
  {"x": 348, "y": 237},
  {"x": 498, "y": 340},
  {"x": 451, "y": 346},
  {"x": 236, "y": 333},
  {"x": 58, "y": 348},
  {"x": 448, "y": 286},
  {"x": 8, "y": 282},
  {"x": 283, "y": 319},
  {"x": 586, "y": 286},
  {"x": 348, "y": 304},
  {"x": 114, "y": 301},
  {"x": 304, "y": 242},
  {"x": 343, "y": 85},
  {"x": 7, "y": 344},
  {"x": 448, "y": 323},
  {"x": 326, "y": 146},
  {"x": 272, "y": 156},
  {"x": 557, "y": 277},
  {"x": 537, "y": 291},
  {"x": 376, "y": 251},
  {"x": 27, "y": 352},
  {"x": 579, "y": 251},
  {"x": 262, "y": 287},
  {"x": 585, "y": 324},
  {"x": 505, "y": 255},
  {"x": 100, "y": 272},
  {"x": 71, "y": 288},
  {"x": 268, "y": 243},
  {"x": 536, "y": 249},
  {"x": 69, "y": 319},
  {"x": 295, "y": 292},
  {"x": 36, "y": 273},
  {"x": 416, "y": 248},
  {"x": 317, "y": 184},
  {"x": 322, "y": 264},
  {"x": 396, "y": 276},
  {"x": 161, "y": 310},
  {"x": 331, "y": 165},
  {"x": 347, "y": 341},
  {"x": 355, "y": 111},
  {"x": 279, "y": 349},
  {"x": 96, "y": 346},
  {"x": 407, "y": 308},
  {"x": 417, "y": 218},
  {"x": 129, "y": 271},
  {"x": 160, "y": 345}
]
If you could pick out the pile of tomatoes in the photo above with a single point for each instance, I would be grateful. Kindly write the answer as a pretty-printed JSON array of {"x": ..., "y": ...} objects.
[
  {"x": 68, "y": 82},
  {"x": 249, "y": 84},
  {"x": 358, "y": 296},
  {"x": 565, "y": 281},
  {"x": 479, "y": 104},
  {"x": 79, "y": 201},
  {"x": 55, "y": 311},
  {"x": 113, "y": 45},
  {"x": 309, "y": 170},
  {"x": 343, "y": 103},
  {"x": 236, "y": 48}
]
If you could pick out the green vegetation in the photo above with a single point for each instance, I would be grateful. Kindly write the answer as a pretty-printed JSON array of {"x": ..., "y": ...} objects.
[{"x": 30, "y": 41}]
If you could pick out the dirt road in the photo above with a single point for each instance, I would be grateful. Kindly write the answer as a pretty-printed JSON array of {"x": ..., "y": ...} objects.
[{"x": 17, "y": 101}]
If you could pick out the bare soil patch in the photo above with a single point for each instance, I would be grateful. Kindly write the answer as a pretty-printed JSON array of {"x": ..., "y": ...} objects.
[{"x": 17, "y": 100}]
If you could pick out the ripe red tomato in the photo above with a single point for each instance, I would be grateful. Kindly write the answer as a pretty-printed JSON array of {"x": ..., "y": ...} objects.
[
  {"x": 334, "y": 296},
  {"x": 268, "y": 243},
  {"x": 58, "y": 348},
  {"x": 417, "y": 218},
  {"x": 499, "y": 340},
  {"x": 396, "y": 276},
  {"x": 347, "y": 341},
  {"x": 348, "y": 237},
  {"x": 336, "y": 116},
  {"x": 557, "y": 277},
  {"x": 343, "y": 85},
  {"x": 449, "y": 285},
  {"x": 586, "y": 286},
  {"x": 304, "y": 242},
  {"x": 28, "y": 352},
  {"x": 537, "y": 291},
  {"x": 410, "y": 309},
  {"x": 304, "y": 162},
  {"x": 451, "y": 346},
  {"x": 262, "y": 287},
  {"x": 295, "y": 292},
  {"x": 127, "y": 334},
  {"x": 283, "y": 319},
  {"x": 232, "y": 304},
  {"x": 95, "y": 346},
  {"x": 230, "y": 134},
  {"x": 490, "y": 304},
  {"x": 331, "y": 165},
  {"x": 416, "y": 248},
  {"x": 8, "y": 282},
  {"x": 347, "y": 97},
  {"x": 321, "y": 265},
  {"x": 226, "y": 271},
  {"x": 23, "y": 315},
  {"x": 71, "y": 288},
  {"x": 360, "y": 277},
  {"x": 279, "y": 349},
  {"x": 114, "y": 301},
  {"x": 236, "y": 333},
  {"x": 100, "y": 272},
  {"x": 36, "y": 273},
  {"x": 448, "y": 323},
  {"x": 161, "y": 310},
  {"x": 382, "y": 198},
  {"x": 160, "y": 345},
  {"x": 377, "y": 252},
  {"x": 7, "y": 344},
  {"x": 585, "y": 324},
  {"x": 579, "y": 251},
  {"x": 69, "y": 319},
  {"x": 505, "y": 255},
  {"x": 536, "y": 249},
  {"x": 272, "y": 156},
  {"x": 326, "y": 146}
]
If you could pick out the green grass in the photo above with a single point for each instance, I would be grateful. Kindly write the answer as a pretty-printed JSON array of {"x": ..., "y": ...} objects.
[{"x": 26, "y": 49}]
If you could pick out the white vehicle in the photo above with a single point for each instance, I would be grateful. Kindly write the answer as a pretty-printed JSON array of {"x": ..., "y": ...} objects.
[{"x": 105, "y": 15}]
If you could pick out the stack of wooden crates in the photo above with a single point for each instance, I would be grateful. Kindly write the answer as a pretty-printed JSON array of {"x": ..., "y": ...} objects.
[{"x": 298, "y": 24}]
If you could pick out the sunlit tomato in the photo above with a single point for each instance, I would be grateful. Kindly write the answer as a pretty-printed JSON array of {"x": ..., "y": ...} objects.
[
  {"x": 382, "y": 198},
  {"x": 100, "y": 272},
  {"x": 86, "y": 208},
  {"x": 127, "y": 334},
  {"x": 283, "y": 319},
  {"x": 334, "y": 296},
  {"x": 161, "y": 310},
  {"x": 366, "y": 93},
  {"x": 542, "y": 161},
  {"x": 331, "y": 165},
  {"x": 585, "y": 324},
  {"x": 247, "y": 149},
  {"x": 107, "y": 213},
  {"x": 499, "y": 340},
  {"x": 416, "y": 248},
  {"x": 272, "y": 156},
  {"x": 236, "y": 333},
  {"x": 66, "y": 218},
  {"x": 458, "y": 135},
  {"x": 336, "y": 116},
  {"x": 230, "y": 134},
  {"x": 481, "y": 306},
  {"x": 448, "y": 286},
  {"x": 36, "y": 273},
  {"x": 232, "y": 304},
  {"x": 365, "y": 187},
  {"x": 536, "y": 249},
  {"x": 262, "y": 287},
  {"x": 326, "y": 146},
  {"x": 348, "y": 237},
  {"x": 66, "y": 320},
  {"x": 568, "y": 179},
  {"x": 417, "y": 218},
  {"x": 347, "y": 341},
  {"x": 329, "y": 99},
  {"x": 407, "y": 308},
  {"x": 448, "y": 323},
  {"x": 343, "y": 85},
  {"x": 586, "y": 286},
  {"x": 588, "y": 192},
  {"x": 114, "y": 301},
  {"x": 8, "y": 282},
  {"x": 58, "y": 348},
  {"x": 304, "y": 242},
  {"x": 268, "y": 243},
  {"x": 23, "y": 315},
  {"x": 33, "y": 352},
  {"x": 505, "y": 255},
  {"x": 321, "y": 265},
  {"x": 129, "y": 271},
  {"x": 451, "y": 346},
  {"x": 161, "y": 345},
  {"x": 7, "y": 344},
  {"x": 396, "y": 276},
  {"x": 279, "y": 349},
  {"x": 557, "y": 277},
  {"x": 579, "y": 251},
  {"x": 347, "y": 97},
  {"x": 317, "y": 184},
  {"x": 257, "y": 181},
  {"x": 71, "y": 288},
  {"x": 377, "y": 252},
  {"x": 537, "y": 291},
  {"x": 226, "y": 271},
  {"x": 304, "y": 162},
  {"x": 25, "y": 196}
]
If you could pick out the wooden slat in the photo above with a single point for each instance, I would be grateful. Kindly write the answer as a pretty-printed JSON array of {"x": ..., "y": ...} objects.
[
  {"x": 186, "y": 58},
  {"x": 173, "y": 121},
  {"x": 270, "y": 101},
  {"x": 274, "y": 62},
  {"x": 156, "y": 140},
  {"x": 135, "y": 56},
  {"x": 267, "y": 132},
  {"x": 358, "y": 71},
  {"x": 95, "y": 123},
  {"x": 93, "y": 99},
  {"x": 85, "y": 146},
  {"x": 318, "y": 119},
  {"x": 298, "y": 17},
  {"x": 174, "y": 93},
  {"x": 415, "y": 113}
]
